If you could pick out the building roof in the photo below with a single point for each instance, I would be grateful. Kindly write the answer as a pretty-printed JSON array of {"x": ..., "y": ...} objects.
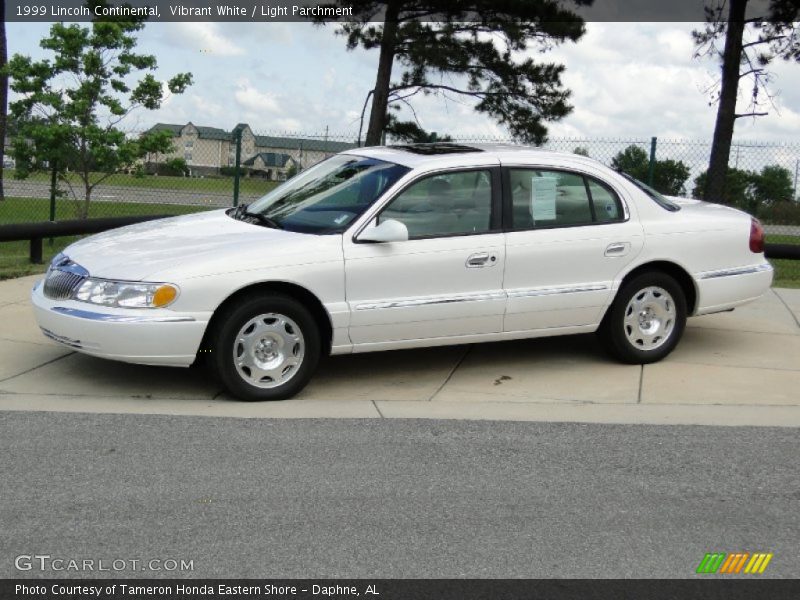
[
  {"x": 212, "y": 133},
  {"x": 292, "y": 143},
  {"x": 263, "y": 141},
  {"x": 270, "y": 159},
  {"x": 174, "y": 129}
]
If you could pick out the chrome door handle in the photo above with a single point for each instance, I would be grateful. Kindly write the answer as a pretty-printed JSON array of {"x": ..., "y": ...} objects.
[
  {"x": 481, "y": 259},
  {"x": 618, "y": 249}
]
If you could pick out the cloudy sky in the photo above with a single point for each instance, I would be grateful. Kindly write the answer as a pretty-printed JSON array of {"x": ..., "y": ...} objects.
[{"x": 629, "y": 81}]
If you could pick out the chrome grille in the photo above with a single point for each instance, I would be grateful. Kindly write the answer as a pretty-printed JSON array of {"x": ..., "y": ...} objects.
[{"x": 59, "y": 285}]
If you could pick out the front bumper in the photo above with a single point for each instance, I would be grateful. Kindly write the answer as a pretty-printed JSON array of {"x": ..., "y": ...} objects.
[{"x": 143, "y": 336}]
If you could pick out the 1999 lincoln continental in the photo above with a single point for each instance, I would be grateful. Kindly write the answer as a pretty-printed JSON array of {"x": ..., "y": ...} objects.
[{"x": 404, "y": 247}]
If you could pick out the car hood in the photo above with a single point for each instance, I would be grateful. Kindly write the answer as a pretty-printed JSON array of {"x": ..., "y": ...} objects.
[{"x": 195, "y": 245}]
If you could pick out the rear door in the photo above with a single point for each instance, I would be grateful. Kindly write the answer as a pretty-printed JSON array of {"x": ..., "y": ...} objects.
[{"x": 569, "y": 236}]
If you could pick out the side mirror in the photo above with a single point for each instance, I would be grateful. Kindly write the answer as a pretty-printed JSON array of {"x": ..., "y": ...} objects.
[{"x": 390, "y": 230}]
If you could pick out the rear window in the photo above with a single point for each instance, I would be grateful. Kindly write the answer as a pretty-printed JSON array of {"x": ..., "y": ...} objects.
[{"x": 654, "y": 195}]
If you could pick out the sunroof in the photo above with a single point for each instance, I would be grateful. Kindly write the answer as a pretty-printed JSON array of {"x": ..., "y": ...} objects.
[{"x": 436, "y": 148}]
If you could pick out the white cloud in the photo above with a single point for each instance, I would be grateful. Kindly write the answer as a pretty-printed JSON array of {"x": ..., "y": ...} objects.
[
  {"x": 204, "y": 38},
  {"x": 628, "y": 80},
  {"x": 253, "y": 100}
]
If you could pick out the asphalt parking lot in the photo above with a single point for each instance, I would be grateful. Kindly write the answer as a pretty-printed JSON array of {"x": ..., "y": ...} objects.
[
  {"x": 386, "y": 498},
  {"x": 738, "y": 368}
]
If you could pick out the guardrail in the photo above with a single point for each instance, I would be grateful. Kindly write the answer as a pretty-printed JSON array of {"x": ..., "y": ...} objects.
[
  {"x": 789, "y": 251},
  {"x": 36, "y": 232}
]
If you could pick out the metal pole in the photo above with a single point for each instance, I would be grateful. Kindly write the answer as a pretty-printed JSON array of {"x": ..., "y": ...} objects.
[
  {"x": 53, "y": 181},
  {"x": 794, "y": 192},
  {"x": 652, "y": 167},
  {"x": 236, "y": 173}
]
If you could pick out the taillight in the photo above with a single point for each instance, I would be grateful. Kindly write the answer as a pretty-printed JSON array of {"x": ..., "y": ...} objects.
[{"x": 756, "y": 236}]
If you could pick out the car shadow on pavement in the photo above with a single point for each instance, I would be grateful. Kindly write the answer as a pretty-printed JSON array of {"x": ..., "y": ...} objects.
[{"x": 417, "y": 374}]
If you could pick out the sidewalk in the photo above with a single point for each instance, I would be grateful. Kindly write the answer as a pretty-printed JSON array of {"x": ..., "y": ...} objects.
[{"x": 739, "y": 368}]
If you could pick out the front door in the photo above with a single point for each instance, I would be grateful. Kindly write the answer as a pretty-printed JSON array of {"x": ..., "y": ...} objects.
[{"x": 447, "y": 279}]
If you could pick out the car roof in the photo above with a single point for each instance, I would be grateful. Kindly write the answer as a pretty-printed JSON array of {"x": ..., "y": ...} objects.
[{"x": 467, "y": 154}]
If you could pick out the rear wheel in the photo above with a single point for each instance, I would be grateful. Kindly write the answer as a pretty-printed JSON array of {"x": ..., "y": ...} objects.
[
  {"x": 646, "y": 320},
  {"x": 265, "y": 347}
]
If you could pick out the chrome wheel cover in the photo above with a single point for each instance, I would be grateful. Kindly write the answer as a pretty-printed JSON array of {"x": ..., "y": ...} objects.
[
  {"x": 268, "y": 350},
  {"x": 649, "y": 318}
]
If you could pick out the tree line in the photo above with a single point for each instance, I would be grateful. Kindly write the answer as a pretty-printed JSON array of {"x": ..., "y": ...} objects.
[{"x": 69, "y": 107}]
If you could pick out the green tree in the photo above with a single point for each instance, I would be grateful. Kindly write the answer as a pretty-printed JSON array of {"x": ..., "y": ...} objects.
[
  {"x": 70, "y": 107},
  {"x": 3, "y": 92},
  {"x": 752, "y": 191},
  {"x": 740, "y": 185},
  {"x": 633, "y": 160},
  {"x": 581, "y": 151},
  {"x": 669, "y": 176},
  {"x": 177, "y": 166},
  {"x": 751, "y": 42},
  {"x": 292, "y": 170},
  {"x": 773, "y": 184},
  {"x": 411, "y": 132},
  {"x": 469, "y": 49}
]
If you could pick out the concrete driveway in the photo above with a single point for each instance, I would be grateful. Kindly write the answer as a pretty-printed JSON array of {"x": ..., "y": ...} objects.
[{"x": 739, "y": 368}]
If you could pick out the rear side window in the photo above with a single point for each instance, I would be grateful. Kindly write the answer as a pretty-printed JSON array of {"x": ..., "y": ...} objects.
[
  {"x": 543, "y": 199},
  {"x": 606, "y": 204}
]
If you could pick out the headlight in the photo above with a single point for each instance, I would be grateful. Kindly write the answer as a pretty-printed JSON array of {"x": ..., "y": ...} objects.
[{"x": 126, "y": 294}]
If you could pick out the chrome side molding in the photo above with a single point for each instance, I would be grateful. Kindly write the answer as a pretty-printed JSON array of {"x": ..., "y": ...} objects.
[
  {"x": 526, "y": 293},
  {"x": 432, "y": 300},
  {"x": 737, "y": 271},
  {"x": 480, "y": 297}
]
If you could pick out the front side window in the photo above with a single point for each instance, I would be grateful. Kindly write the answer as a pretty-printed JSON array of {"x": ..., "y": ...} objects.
[
  {"x": 543, "y": 198},
  {"x": 329, "y": 196},
  {"x": 446, "y": 204}
]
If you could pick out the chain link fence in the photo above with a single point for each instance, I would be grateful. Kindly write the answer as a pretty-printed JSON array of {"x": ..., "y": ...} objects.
[{"x": 211, "y": 167}]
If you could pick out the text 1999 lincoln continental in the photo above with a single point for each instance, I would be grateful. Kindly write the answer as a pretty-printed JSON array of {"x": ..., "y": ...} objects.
[{"x": 404, "y": 247}]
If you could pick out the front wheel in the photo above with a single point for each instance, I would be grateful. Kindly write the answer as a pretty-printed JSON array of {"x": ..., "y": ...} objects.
[
  {"x": 265, "y": 347},
  {"x": 646, "y": 320}
]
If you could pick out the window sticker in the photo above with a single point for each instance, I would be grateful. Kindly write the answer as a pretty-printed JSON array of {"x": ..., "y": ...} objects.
[{"x": 543, "y": 198}]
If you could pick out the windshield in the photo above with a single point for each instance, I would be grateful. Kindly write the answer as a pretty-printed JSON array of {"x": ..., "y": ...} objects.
[
  {"x": 327, "y": 197},
  {"x": 660, "y": 199}
]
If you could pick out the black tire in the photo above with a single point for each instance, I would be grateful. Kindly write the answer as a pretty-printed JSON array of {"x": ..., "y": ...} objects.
[
  {"x": 242, "y": 381},
  {"x": 629, "y": 342}
]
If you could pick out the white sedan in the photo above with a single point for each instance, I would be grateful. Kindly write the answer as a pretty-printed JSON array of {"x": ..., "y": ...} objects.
[{"x": 404, "y": 247}]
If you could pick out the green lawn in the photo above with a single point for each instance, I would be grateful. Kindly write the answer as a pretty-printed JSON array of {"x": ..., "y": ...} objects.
[
  {"x": 217, "y": 184},
  {"x": 14, "y": 255}
]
